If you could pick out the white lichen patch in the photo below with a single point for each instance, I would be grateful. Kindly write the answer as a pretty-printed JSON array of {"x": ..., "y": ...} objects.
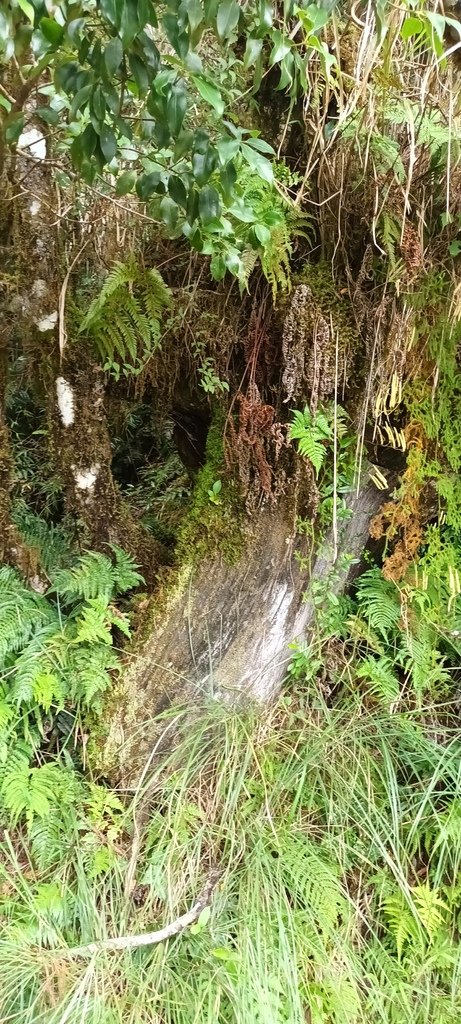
[
  {"x": 39, "y": 288},
  {"x": 86, "y": 479},
  {"x": 48, "y": 322},
  {"x": 66, "y": 403},
  {"x": 35, "y": 207},
  {"x": 32, "y": 143}
]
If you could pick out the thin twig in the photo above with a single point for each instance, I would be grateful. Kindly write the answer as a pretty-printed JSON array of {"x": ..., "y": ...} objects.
[{"x": 124, "y": 942}]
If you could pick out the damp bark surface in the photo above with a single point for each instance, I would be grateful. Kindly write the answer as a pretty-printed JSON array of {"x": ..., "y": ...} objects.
[{"x": 227, "y": 634}]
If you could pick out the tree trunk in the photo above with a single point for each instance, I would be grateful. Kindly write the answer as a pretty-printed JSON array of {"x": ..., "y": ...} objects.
[{"x": 226, "y": 633}]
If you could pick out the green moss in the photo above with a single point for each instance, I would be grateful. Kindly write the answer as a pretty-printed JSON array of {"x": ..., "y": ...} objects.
[
  {"x": 331, "y": 302},
  {"x": 213, "y": 528}
]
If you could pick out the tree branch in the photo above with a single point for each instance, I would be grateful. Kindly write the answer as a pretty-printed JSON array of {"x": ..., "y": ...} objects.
[{"x": 124, "y": 942}]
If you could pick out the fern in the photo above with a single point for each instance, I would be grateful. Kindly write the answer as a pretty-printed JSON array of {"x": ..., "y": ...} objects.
[
  {"x": 378, "y": 601},
  {"x": 95, "y": 576},
  {"x": 125, "y": 318},
  {"x": 381, "y": 680},
  {"x": 313, "y": 881},
  {"x": 53, "y": 544},
  {"x": 311, "y": 434}
]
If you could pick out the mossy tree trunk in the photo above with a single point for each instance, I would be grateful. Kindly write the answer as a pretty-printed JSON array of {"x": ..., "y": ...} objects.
[
  {"x": 66, "y": 376},
  {"x": 223, "y": 632}
]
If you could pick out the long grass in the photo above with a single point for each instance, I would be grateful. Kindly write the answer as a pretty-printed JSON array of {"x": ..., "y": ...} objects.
[{"x": 320, "y": 818}]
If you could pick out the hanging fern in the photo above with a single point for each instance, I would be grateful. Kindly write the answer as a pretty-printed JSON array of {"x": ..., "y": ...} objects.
[{"x": 125, "y": 318}]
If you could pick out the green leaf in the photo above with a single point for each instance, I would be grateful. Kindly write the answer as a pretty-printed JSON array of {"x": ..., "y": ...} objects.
[
  {"x": 227, "y": 18},
  {"x": 177, "y": 190},
  {"x": 98, "y": 103},
  {"x": 169, "y": 212},
  {"x": 14, "y": 125},
  {"x": 140, "y": 73},
  {"x": 108, "y": 144},
  {"x": 125, "y": 183},
  {"x": 27, "y": 9},
  {"x": 80, "y": 100},
  {"x": 111, "y": 10},
  {"x": 260, "y": 145},
  {"x": 48, "y": 115},
  {"x": 129, "y": 22},
  {"x": 411, "y": 27},
  {"x": 209, "y": 204},
  {"x": 454, "y": 248},
  {"x": 194, "y": 14},
  {"x": 203, "y": 165},
  {"x": 176, "y": 108},
  {"x": 258, "y": 163},
  {"x": 113, "y": 55},
  {"x": 280, "y": 48},
  {"x": 52, "y": 31},
  {"x": 262, "y": 233},
  {"x": 252, "y": 51},
  {"x": 228, "y": 177},
  {"x": 210, "y": 94}
]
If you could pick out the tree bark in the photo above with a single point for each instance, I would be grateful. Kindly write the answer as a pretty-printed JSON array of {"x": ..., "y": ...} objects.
[{"x": 227, "y": 633}]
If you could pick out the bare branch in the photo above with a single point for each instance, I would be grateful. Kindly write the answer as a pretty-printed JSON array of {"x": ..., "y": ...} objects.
[{"x": 124, "y": 942}]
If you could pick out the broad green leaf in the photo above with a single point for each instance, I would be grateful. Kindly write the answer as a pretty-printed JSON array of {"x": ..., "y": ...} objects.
[
  {"x": 227, "y": 18},
  {"x": 260, "y": 145},
  {"x": 252, "y": 51},
  {"x": 209, "y": 93},
  {"x": 129, "y": 22},
  {"x": 27, "y": 9},
  {"x": 176, "y": 108},
  {"x": 125, "y": 183},
  {"x": 194, "y": 14},
  {"x": 169, "y": 212},
  {"x": 140, "y": 74},
  {"x": 98, "y": 103},
  {"x": 208, "y": 204},
  {"x": 113, "y": 55},
  {"x": 112, "y": 11},
  {"x": 412, "y": 26},
  {"x": 52, "y": 31},
  {"x": 262, "y": 233},
  {"x": 48, "y": 115},
  {"x": 80, "y": 100},
  {"x": 108, "y": 144},
  {"x": 177, "y": 190},
  {"x": 437, "y": 21},
  {"x": 258, "y": 163},
  {"x": 227, "y": 149},
  {"x": 203, "y": 165},
  {"x": 280, "y": 48},
  {"x": 228, "y": 177}
]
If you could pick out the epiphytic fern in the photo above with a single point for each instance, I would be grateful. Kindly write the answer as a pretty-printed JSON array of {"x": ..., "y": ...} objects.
[{"x": 125, "y": 318}]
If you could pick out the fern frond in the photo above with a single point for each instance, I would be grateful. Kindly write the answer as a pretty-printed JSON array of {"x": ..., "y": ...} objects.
[
  {"x": 378, "y": 601},
  {"x": 380, "y": 679},
  {"x": 124, "y": 319}
]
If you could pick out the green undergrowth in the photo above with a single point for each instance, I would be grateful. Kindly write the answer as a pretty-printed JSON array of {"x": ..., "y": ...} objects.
[
  {"x": 338, "y": 835},
  {"x": 334, "y": 819}
]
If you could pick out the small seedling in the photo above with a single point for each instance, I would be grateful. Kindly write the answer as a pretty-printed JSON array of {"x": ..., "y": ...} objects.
[{"x": 214, "y": 492}]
